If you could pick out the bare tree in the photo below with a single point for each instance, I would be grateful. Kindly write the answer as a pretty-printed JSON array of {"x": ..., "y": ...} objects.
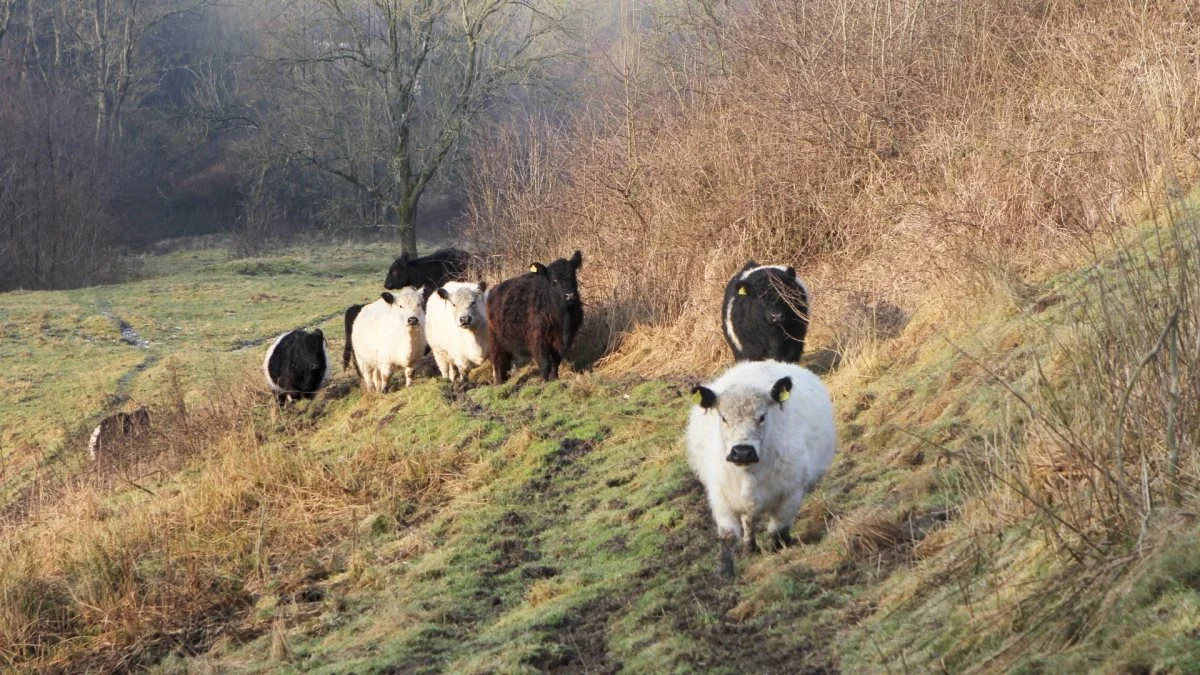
[
  {"x": 6, "y": 15},
  {"x": 112, "y": 33},
  {"x": 52, "y": 229},
  {"x": 85, "y": 105},
  {"x": 377, "y": 93}
]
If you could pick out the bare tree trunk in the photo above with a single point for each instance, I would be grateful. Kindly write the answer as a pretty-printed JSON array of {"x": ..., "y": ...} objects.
[
  {"x": 6, "y": 13},
  {"x": 406, "y": 226},
  {"x": 100, "y": 28}
]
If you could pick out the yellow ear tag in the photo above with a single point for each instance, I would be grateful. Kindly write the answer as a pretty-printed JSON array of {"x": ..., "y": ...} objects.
[
  {"x": 533, "y": 268},
  {"x": 697, "y": 398},
  {"x": 784, "y": 395},
  {"x": 742, "y": 290}
]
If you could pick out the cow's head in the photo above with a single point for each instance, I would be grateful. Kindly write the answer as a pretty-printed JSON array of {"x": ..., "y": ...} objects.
[
  {"x": 745, "y": 413},
  {"x": 313, "y": 351},
  {"x": 398, "y": 275},
  {"x": 775, "y": 290},
  {"x": 562, "y": 276},
  {"x": 409, "y": 304},
  {"x": 466, "y": 303}
]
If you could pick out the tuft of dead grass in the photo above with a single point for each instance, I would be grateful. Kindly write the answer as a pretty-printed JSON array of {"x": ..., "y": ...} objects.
[{"x": 868, "y": 531}]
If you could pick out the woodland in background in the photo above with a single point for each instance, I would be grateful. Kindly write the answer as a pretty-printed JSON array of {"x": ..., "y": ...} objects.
[
  {"x": 126, "y": 122},
  {"x": 850, "y": 138}
]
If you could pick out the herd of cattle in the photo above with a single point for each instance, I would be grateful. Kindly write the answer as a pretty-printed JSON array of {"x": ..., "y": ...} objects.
[
  {"x": 431, "y": 305},
  {"x": 759, "y": 437}
]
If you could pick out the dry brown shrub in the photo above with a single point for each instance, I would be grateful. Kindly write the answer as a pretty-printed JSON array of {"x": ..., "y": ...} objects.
[
  {"x": 933, "y": 544},
  {"x": 897, "y": 154}
]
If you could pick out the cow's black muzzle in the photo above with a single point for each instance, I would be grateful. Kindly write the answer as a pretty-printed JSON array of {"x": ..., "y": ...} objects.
[{"x": 742, "y": 455}]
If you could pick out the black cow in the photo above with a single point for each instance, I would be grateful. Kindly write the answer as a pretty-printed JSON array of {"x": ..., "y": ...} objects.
[
  {"x": 765, "y": 313},
  {"x": 348, "y": 350},
  {"x": 535, "y": 315},
  {"x": 296, "y": 365},
  {"x": 433, "y": 270}
]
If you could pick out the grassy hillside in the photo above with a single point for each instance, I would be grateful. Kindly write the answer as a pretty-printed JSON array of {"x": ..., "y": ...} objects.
[
  {"x": 971, "y": 519},
  {"x": 67, "y": 361}
]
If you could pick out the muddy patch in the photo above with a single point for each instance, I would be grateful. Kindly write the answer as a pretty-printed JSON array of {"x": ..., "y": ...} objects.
[
  {"x": 128, "y": 335},
  {"x": 458, "y": 396},
  {"x": 511, "y": 554},
  {"x": 704, "y": 605},
  {"x": 560, "y": 462},
  {"x": 580, "y": 642}
]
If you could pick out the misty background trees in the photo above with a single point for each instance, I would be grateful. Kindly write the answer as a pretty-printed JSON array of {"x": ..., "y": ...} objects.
[{"x": 125, "y": 122}]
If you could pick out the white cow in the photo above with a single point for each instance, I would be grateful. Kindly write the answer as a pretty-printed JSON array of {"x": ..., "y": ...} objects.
[
  {"x": 759, "y": 439},
  {"x": 389, "y": 334},
  {"x": 456, "y": 328}
]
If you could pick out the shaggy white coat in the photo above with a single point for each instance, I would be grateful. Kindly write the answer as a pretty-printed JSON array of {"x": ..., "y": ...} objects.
[
  {"x": 384, "y": 342},
  {"x": 457, "y": 349},
  {"x": 795, "y": 442}
]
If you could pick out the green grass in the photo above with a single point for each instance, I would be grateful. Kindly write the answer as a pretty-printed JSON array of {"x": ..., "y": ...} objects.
[
  {"x": 66, "y": 363},
  {"x": 576, "y": 535},
  {"x": 538, "y": 526}
]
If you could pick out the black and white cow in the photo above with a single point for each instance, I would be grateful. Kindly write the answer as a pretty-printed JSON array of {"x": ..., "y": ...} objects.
[
  {"x": 433, "y": 270},
  {"x": 296, "y": 365},
  {"x": 765, "y": 313}
]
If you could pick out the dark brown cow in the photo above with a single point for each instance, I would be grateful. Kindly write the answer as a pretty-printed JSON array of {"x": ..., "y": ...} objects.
[
  {"x": 535, "y": 315},
  {"x": 116, "y": 430}
]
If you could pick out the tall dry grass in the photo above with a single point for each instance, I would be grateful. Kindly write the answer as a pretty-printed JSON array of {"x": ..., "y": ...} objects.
[
  {"x": 168, "y": 550},
  {"x": 896, "y": 153},
  {"x": 1100, "y": 457}
]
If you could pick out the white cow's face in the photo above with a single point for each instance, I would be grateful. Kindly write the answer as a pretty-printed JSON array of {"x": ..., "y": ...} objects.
[
  {"x": 466, "y": 305},
  {"x": 745, "y": 413},
  {"x": 409, "y": 304}
]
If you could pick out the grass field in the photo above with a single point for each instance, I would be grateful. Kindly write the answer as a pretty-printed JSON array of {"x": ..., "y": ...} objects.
[
  {"x": 68, "y": 364},
  {"x": 534, "y": 527}
]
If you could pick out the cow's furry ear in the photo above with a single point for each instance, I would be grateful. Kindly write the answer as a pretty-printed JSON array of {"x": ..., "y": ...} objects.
[
  {"x": 577, "y": 260},
  {"x": 782, "y": 390},
  {"x": 482, "y": 286},
  {"x": 537, "y": 268},
  {"x": 319, "y": 334},
  {"x": 703, "y": 396},
  {"x": 388, "y": 297},
  {"x": 443, "y": 294},
  {"x": 750, "y": 264},
  {"x": 742, "y": 288},
  {"x": 790, "y": 272}
]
